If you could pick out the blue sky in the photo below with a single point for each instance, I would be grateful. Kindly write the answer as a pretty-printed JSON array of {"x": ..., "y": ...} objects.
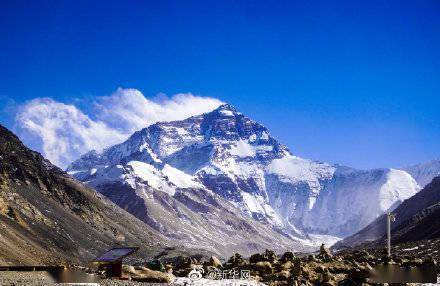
[{"x": 349, "y": 82}]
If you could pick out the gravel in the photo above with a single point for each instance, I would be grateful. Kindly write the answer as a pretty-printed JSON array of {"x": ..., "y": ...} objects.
[
  {"x": 112, "y": 282},
  {"x": 19, "y": 278},
  {"x": 42, "y": 278}
]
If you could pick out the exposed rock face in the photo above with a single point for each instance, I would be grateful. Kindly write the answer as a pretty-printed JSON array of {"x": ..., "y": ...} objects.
[
  {"x": 224, "y": 160},
  {"x": 417, "y": 218},
  {"x": 47, "y": 217}
]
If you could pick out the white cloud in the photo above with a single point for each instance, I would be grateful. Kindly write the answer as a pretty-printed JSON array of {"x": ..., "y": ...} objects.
[
  {"x": 62, "y": 132},
  {"x": 129, "y": 110}
]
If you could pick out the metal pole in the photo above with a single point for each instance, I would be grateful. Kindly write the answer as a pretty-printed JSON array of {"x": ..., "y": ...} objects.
[{"x": 389, "y": 233}]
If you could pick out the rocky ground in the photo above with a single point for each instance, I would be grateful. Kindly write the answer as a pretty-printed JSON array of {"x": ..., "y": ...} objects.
[
  {"x": 18, "y": 278},
  {"x": 113, "y": 282},
  {"x": 346, "y": 267},
  {"x": 420, "y": 249},
  {"x": 42, "y": 278}
]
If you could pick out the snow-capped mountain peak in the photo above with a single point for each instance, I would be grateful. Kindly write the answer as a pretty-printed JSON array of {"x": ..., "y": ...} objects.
[{"x": 229, "y": 155}]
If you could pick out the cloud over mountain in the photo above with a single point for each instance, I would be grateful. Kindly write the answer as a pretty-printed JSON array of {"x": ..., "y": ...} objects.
[{"x": 62, "y": 132}]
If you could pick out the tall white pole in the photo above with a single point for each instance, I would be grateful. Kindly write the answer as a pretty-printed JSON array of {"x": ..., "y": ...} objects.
[{"x": 389, "y": 233}]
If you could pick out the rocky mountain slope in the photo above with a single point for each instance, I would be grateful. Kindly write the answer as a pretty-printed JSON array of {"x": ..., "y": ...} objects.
[
  {"x": 47, "y": 217},
  {"x": 226, "y": 155},
  {"x": 417, "y": 218}
]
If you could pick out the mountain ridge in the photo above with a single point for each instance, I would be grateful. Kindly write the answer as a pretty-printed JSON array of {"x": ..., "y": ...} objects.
[
  {"x": 229, "y": 155},
  {"x": 423, "y": 173},
  {"x": 47, "y": 217}
]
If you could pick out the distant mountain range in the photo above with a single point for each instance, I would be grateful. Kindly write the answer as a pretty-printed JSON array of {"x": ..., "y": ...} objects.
[
  {"x": 417, "y": 218},
  {"x": 222, "y": 181},
  {"x": 424, "y": 173}
]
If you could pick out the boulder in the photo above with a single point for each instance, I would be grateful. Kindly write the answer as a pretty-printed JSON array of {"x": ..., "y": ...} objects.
[
  {"x": 324, "y": 251},
  {"x": 169, "y": 268},
  {"x": 282, "y": 275},
  {"x": 325, "y": 276},
  {"x": 155, "y": 265},
  {"x": 339, "y": 269},
  {"x": 286, "y": 265},
  {"x": 215, "y": 262},
  {"x": 287, "y": 256},
  {"x": 236, "y": 260},
  {"x": 128, "y": 269},
  {"x": 181, "y": 262},
  {"x": 270, "y": 256},
  {"x": 257, "y": 257},
  {"x": 152, "y": 276},
  {"x": 319, "y": 269},
  {"x": 296, "y": 269},
  {"x": 305, "y": 273},
  {"x": 263, "y": 267},
  {"x": 362, "y": 256}
]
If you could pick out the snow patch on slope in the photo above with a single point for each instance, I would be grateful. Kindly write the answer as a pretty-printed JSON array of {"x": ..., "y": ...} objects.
[
  {"x": 257, "y": 204},
  {"x": 315, "y": 240},
  {"x": 180, "y": 178},
  {"x": 151, "y": 175},
  {"x": 242, "y": 149},
  {"x": 226, "y": 112},
  {"x": 292, "y": 169},
  {"x": 399, "y": 186}
]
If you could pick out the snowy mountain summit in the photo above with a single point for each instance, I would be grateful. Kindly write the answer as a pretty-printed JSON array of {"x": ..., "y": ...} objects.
[{"x": 223, "y": 160}]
